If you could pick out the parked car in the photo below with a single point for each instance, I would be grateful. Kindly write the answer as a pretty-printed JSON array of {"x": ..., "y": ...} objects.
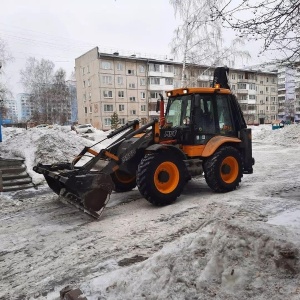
[
  {"x": 42, "y": 126},
  {"x": 85, "y": 128}
]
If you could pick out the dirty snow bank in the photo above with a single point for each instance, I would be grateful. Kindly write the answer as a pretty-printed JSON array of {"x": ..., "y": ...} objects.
[
  {"x": 47, "y": 146},
  {"x": 288, "y": 135},
  {"x": 227, "y": 260}
]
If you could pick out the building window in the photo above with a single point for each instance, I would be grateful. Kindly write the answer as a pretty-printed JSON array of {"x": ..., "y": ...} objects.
[
  {"x": 142, "y": 81},
  {"x": 267, "y": 89},
  {"x": 122, "y": 121},
  {"x": 132, "y": 85},
  {"x": 169, "y": 81},
  {"x": 88, "y": 69},
  {"x": 267, "y": 98},
  {"x": 142, "y": 69},
  {"x": 85, "y": 110},
  {"x": 107, "y": 94},
  {"x": 240, "y": 76},
  {"x": 252, "y": 97},
  {"x": 120, "y": 67},
  {"x": 241, "y": 86},
  {"x": 154, "y": 80},
  {"x": 232, "y": 76},
  {"x": 243, "y": 97},
  {"x": 132, "y": 99},
  {"x": 107, "y": 79},
  {"x": 90, "y": 96},
  {"x": 121, "y": 107},
  {"x": 251, "y": 86},
  {"x": 91, "y": 109},
  {"x": 154, "y": 95},
  {"x": 154, "y": 67},
  {"x": 89, "y": 82},
  {"x": 133, "y": 112},
  {"x": 169, "y": 68},
  {"x": 83, "y": 71},
  {"x": 121, "y": 94},
  {"x": 107, "y": 65},
  {"x": 108, "y": 107},
  {"x": 143, "y": 95},
  {"x": 107, "y": 122},
  {"x": 130, "y": 72},
  {"x": 233, "y": 87},
  {"x": 143, "y": 107},
  {"x": 120, "y": 80},
  {"x": 84, "y": 83}
]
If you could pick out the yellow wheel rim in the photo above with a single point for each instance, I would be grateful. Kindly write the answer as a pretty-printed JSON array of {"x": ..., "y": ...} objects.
[
  {"x": 229, "y": 169},
  {"x": 166, "y": 177},
  {"x": 123, "y": 177}
]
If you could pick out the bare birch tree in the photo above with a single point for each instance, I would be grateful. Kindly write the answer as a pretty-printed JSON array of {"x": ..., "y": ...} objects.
[
  {"x": 276, "y": 23},
  {"x": 5, "y": 57},
  {"x": 48, "y": 91},
  {"x": 199, "y": 39}
]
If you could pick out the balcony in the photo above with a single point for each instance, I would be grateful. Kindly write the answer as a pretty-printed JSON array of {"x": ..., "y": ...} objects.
[
  {"x": 160, "y": 74},
  {"x": 153, "y": 113},
  {"x": 160, "y": 87},
  {"x": 205, "y": 77},
  {"x": 249, "y": 112},
  {"x": 242, "y": 91}
]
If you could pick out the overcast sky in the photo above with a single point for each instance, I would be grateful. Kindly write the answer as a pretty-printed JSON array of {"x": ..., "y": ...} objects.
[{"x": 63, "y": 30}]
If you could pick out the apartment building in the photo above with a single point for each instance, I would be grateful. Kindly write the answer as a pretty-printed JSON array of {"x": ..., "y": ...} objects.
[
  {"x": 131, "y": 85},
  {"x": 289, "y": 93},
  {"x": 24, "y": 107},
  {"x": 257, "y": 94},
  {"x": 11, "y": 110}
]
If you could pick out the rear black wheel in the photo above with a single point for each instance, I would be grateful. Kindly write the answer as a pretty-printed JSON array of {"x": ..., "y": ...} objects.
[
  {"x": 161, "y": 177},
  {"x": 123, "y": 182},
  {"x": 224, "y": 170}
]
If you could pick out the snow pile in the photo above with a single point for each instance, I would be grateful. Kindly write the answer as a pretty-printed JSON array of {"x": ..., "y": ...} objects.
[
  {"x": 223, "y": 260},
  {"x": 288, "y": 135},
  {"x": 47, "y": 146}
]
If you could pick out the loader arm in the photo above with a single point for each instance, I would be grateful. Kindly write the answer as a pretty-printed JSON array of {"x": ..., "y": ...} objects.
[{"x": 87, "y": 187}]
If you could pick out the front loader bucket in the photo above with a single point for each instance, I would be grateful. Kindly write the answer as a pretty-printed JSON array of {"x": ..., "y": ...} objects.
[{"x": 88, "y": 192}]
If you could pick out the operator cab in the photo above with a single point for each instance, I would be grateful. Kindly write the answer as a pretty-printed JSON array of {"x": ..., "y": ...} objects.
[{"x": 197, "y": 117}]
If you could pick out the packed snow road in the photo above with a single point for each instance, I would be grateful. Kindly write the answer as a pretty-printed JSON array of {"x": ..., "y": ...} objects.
[{"x": 239, "y": 245}]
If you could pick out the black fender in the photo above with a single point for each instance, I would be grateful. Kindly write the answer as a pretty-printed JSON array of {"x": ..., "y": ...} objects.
[{"x": 164, "y": 147}]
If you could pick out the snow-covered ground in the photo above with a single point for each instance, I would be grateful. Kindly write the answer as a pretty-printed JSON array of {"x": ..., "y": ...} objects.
[{"x": 239, "y": 245}]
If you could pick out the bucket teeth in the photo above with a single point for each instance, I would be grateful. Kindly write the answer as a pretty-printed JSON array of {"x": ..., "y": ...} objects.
[
  {"x": 91, "y": 197},
  {"x": 77, "y": 203}
]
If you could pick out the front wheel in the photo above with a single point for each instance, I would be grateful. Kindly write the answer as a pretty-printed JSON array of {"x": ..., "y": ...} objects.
[
  {"x": 224, "y": 169},
  {"x": 161, "y": 177},
  {"x": 123, "y": 182}
]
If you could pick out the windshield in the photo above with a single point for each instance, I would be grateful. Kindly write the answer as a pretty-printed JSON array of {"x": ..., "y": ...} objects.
[{"x": 179, "y": 111}]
